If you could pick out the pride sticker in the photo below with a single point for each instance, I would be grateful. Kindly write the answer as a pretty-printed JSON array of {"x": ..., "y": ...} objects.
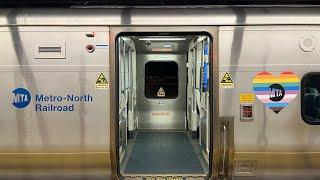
[{"x": 276, "y": 92}]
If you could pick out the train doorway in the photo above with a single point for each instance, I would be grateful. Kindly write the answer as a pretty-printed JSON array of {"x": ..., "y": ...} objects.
[{"x": 165, "y": 104}]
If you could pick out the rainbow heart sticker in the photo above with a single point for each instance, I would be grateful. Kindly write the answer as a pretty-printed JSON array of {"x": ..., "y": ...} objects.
[{"x": 276, "y": 92}]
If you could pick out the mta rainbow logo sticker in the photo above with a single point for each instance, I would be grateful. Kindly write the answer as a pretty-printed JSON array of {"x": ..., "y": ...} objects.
[{"x": 276, "y": 92}]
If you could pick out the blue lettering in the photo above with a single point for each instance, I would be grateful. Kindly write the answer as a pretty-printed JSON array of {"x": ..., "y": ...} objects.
[
  {"x": 83, "y": 98},
  {"x": 38, "y": 107},
  {"x": 59, "y": 98},
  {"x": 51, "y": 107},
  {"x": 48, "y": 98},
  {"x": 39, "y": 97}
]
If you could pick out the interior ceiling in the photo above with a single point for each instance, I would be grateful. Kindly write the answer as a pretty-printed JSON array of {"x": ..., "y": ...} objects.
[
  {"x": 144, "y": 46},
  {"x": 175, "y": 46},
  {"x": 75, "y": 3},
  {"x": 188, "y": 38}
]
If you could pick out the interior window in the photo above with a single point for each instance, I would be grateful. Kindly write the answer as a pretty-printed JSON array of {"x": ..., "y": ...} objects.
[
  {"x": 310, "y": 98},
  {"x": 161, "y": 80}
]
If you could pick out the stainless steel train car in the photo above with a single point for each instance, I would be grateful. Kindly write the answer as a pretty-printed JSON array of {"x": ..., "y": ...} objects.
[{"x": 160, "y": 93}]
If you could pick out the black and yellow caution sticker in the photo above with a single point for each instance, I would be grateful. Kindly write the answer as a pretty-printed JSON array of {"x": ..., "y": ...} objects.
[
  {"x": 102, "y": 82},
  {"x": 226, "y": 81}
]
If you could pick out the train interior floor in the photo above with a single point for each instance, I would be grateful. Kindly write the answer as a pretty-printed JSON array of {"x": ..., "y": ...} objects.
[{"x": 163, "y": 152}]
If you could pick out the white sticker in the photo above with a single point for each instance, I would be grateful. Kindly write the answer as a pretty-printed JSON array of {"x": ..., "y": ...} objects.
[{"x": 161, "y": 92}]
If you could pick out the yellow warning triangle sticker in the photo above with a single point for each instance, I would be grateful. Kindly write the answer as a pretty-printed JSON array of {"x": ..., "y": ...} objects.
[
  {"x": 102, "y": 82},
  {"x": 226, "y": 78},
  {"x": 226, "y": 81},
  {"x": 161, "y": 92},
  {"x": 102, "y": 79}
]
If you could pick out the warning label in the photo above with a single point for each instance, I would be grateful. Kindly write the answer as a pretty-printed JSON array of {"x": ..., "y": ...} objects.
[
  {"x": 102, "y": 82},
  {"x": 246, "y": 98},
  {"x": 226, "y": 81},
  {"x": 161, "y": 92}
]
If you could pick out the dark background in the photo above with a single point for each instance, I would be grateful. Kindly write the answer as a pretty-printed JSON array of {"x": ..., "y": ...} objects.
[{"x": 69, "y": 3}]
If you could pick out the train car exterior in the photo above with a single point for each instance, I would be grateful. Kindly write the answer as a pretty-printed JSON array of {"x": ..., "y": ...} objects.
[{"x": 60, "y": 84}]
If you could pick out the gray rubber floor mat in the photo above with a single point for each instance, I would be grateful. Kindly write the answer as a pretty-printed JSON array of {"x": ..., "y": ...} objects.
[{"x": 163, "y": 153}]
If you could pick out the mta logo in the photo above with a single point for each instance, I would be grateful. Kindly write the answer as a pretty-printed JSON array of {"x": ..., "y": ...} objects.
[{"x": 21, "y": 98}]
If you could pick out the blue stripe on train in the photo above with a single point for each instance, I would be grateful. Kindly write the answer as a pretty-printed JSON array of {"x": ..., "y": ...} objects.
[
  {"x": 290, "y": 88},
  {"x": 268, "y": 84},
  {"x": 275, "y": 104}
]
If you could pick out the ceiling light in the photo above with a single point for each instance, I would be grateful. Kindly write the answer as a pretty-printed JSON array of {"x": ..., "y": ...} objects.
[{"x": 162, "y": 39}]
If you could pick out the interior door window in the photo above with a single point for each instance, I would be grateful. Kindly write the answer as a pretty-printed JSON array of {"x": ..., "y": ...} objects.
[{"x": 161, "y": 80}]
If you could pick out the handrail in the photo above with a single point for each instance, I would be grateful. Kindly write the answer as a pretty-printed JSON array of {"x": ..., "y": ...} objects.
[{"x": 223, "y": 172}]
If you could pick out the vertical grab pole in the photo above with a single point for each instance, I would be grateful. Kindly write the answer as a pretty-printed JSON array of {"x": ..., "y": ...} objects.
[
  {"x": 224, "y": 152},
  {"x": 194, "y": 104}
]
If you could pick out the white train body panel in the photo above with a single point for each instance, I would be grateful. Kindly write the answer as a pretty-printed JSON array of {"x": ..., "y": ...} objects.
[{"x": 249, "y": 40}]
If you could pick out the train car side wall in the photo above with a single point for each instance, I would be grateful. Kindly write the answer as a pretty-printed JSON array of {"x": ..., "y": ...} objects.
[{"x": 270, "y": 142}]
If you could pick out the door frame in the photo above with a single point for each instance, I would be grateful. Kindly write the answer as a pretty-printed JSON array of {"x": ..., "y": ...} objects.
[{"x": 212, "y": 31}]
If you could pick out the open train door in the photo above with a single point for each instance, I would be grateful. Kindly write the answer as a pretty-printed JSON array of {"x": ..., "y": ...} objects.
[{"x": 164, "y": 103}]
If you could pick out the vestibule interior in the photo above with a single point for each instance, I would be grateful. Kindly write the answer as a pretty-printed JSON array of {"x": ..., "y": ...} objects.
[{"x": 164, "y": 122}]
